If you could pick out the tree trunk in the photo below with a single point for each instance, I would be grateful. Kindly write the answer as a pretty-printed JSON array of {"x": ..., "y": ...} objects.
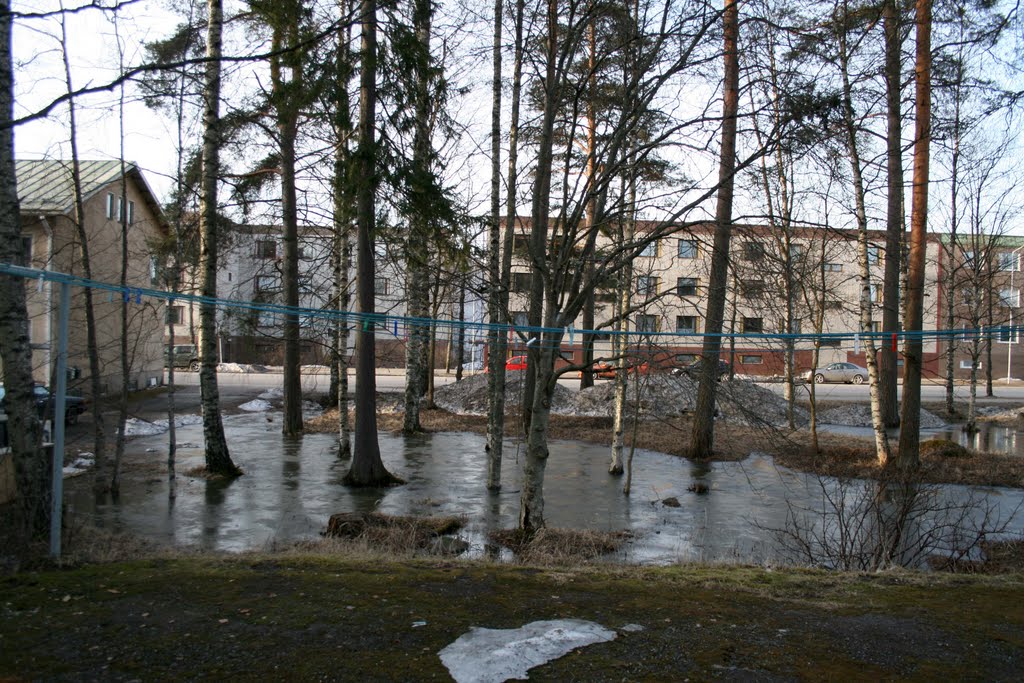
[
  {"x": 887, "y": 390},
  {"x": 909, "y": 455},
  {"x": 619, "y": 340},
  {"x": 857, "y": 182},
  {"x": 218, "y": 459},
  {"x": 417, "y": 256},
  {"x": 498, "y": 348},
  {"x": 702, "y": 439},
  {"x": 367, "y": 468},
  {"x": 101, "y": 481},
  {"x": 24, "y": 431},
  {"x": 343, "y": 227},
  {"x": 587, "y": 377}
]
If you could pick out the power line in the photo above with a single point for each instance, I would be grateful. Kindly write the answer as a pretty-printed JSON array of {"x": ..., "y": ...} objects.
[{"x": 394, "y": 323}]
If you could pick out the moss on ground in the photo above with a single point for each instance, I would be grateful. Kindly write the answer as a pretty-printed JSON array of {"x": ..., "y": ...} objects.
[{"x": 325, "y": 617}]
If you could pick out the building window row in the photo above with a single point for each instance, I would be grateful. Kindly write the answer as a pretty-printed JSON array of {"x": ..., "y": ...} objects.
[{"x": 115, "y": 209}]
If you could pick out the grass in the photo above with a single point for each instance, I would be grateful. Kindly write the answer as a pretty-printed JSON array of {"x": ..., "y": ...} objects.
[{"x": 313, "y": 617}]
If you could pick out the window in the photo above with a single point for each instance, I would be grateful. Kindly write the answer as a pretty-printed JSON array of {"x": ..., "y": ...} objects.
[
  {"x": 874, "y": 293},
  {"x": 131, "y": 212},
  {"x": 26, "y": 250},
  {"x": 687, "y": 249},
  {"x": 154, "y": 270},
  {"x": 651, "y": 250},
  {"x": 266, "y": 249},
  {"x": 873, "y": 253},
  {"x": 685, "y": 358},
  {"x": 1009, "y": 260},
  {"x": 306, "y": 283},
  {"x": 304, "y": 252},
  {"x": 1009, "y": 297},
  {"x": 266, "y": 319},
  {"x": 120, "y": 208},
  {"x": 381, "y": 286},
  {"x": 110, "y": 205},
  {"x": 521, "y": 282},
  {"x": 521, "y": 245},
  {"x": 753, "y": 251},
  {"x": 833, "y": 267},
  {"x": 175, "y": 315},
  {"x": 520, "y": 319},
  {"x": 751, "y": 360},
  {"x": 876, "y": 326},
  {"x": 796, "y": 252},
  {"x": 266, "y": 283},
  {"x": 752, "y": 288},
  {"x": 647, "y": 323},
  {"x": 969, "y": 259},
  {"x": 753, "y": 325},
  {"x": 686, "y": 324},
  {"x": 967, "y": 365},
  {"x": 1007, "y": 335},
  {"x": 646, "y": 285},
  {"x": 832, "y": 342},
  {"x": 686, "y": 286},
  {"x": 970, "y": 295}
]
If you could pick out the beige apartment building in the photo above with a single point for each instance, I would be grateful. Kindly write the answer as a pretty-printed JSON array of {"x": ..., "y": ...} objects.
[
  {"x": 669, "y": 298},
  {"x": 51, "y": 242}
]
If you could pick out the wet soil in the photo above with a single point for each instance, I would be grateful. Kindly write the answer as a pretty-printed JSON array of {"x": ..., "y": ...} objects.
[{"x": 325, "y": 618}]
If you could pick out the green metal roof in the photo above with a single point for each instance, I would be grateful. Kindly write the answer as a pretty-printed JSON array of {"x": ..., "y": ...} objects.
[{"x": 45, "y": 187}]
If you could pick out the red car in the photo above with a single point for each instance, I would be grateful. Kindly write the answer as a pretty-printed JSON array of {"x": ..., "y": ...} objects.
[{"x": 516, "y": 363}]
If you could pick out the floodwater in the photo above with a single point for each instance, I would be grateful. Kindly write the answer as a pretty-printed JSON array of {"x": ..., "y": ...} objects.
[
  {"x": 989, "y": 437},
  {"x": 293, "y": 485}
]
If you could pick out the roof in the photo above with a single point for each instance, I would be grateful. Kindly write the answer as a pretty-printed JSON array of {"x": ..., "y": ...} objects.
[{"x": 45, "y": 187}]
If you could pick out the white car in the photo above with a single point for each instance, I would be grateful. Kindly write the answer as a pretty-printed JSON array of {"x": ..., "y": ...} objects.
[{"x": 838, "y": 372}]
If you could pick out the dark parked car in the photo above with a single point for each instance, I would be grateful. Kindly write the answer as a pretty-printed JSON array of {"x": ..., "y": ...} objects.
[
  {"x": 186, "y": 356},
  {"x": 46, "y": 403},
  {"x": 693, "y": 370}
]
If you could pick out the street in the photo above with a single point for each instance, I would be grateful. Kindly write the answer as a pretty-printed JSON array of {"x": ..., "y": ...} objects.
[{"x": 394, "y": 381}]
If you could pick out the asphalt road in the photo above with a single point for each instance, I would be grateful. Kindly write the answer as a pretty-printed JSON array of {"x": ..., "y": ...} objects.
[{"x": 243, "y": 383}]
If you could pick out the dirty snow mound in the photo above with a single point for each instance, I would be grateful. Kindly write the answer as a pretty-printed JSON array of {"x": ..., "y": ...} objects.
[
  {"x": 469, "y": 397},
  {"x": 859, "y": 415},
  {"x": 744, "y": 402},
  {"x": 271, "y": 394},
  {"x": 256, "y": 406}
]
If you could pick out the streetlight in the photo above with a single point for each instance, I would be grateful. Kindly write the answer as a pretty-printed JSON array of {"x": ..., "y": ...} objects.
[{"x": 1014, "y": 265}]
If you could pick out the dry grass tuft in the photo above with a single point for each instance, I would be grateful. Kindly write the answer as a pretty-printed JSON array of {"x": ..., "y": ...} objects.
[
  {"x": 394, "y": 535},
  {"x": 944, "y": 448},
  {"x": 559, "y": 546}
]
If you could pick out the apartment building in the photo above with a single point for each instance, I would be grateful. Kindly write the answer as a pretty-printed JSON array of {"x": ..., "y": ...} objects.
[
  {"x": 113, "y": 202},
  {"x": 805, "y": 285}
]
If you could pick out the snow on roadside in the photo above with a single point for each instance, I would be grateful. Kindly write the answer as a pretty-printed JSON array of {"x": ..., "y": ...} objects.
[
  {"x": 136, "y": 427},
  {"x": 859, "y": 415},
  {"x": 258, "y": 405}
]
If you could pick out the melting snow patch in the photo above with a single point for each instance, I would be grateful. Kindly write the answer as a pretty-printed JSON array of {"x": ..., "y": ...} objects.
[
  {"x": 136, "y": 427},
  {"x": 81, "y": 465},
  {"x": 270, "y": 394},
  {"x": 256, "y": 406},
  {"x": 484, "y": 655}
]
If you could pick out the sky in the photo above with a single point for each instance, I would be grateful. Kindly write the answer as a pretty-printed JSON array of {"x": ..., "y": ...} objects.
[{"x": 149, "y": 137}]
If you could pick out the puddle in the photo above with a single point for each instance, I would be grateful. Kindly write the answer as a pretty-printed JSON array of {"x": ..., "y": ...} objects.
[
  {"x": 991, "y": 437},
  {"x": 292, "y": 486}
]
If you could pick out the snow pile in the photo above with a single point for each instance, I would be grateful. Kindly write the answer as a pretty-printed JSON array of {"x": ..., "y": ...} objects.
[
  {"x": 82, "y": 464},
  {"x": 484, "y": 655},
  {"x": 469, "y": 397},
  {"x": 238, "y": 367},
  {"x": 999, "y": 414},
  {"x": 660, "y": 395},
  {"x": 859, "y": 415},
  {"x": 256, "y": 406},
  {"x": 311, "y": 408},
  {"x": 136, "y": 427},
  {"x": 272, "y": 394}
]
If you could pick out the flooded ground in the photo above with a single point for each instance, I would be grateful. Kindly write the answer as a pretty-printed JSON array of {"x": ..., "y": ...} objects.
[
  {"x": 292, "y": 486},
  {"x": 990, "y": 437}
]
